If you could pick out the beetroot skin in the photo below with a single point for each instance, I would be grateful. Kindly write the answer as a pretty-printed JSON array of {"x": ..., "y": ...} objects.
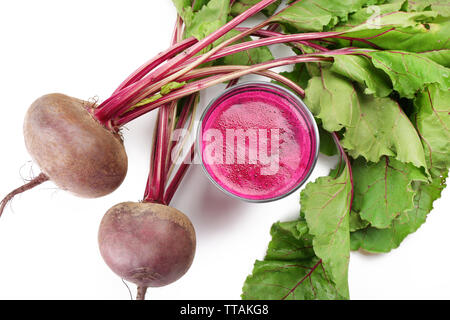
[
  {"x": 72, "y": 148},
  {"x": 149, "y": 244}
]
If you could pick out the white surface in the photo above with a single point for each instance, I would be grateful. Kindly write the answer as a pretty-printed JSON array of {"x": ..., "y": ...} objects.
[{"x": 48, "y": 238}]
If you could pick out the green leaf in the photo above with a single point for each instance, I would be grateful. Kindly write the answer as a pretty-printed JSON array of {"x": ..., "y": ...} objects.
[
  {"x": 291, "y": 270},
  {"x": 299, "y": 75},
  {"x": 184, "y": 9},
  {"x": 383, "y": 190},
  {"x": 407, "y": 31},
  {"x": 377, "y": 22},
  {"x": 239, "y": 6},
  {"x": 143, "y": 102},
  {"x": 308, "y": 259},
  {"x": 431, "y": 118},
  {"x": 327, "y": 144},
  {"x": 383, "y": 130},
  {"x": 432, "y": 110},
  {"x": 356, "y": 222},
  {"x": 198, "y": 4},
  {"x": 326, "y": 207},
  {"x": 286, "y": 237},
  {"x": 439, "y": 56},
  {"x": 189, "y": 5},
  {"x": 316, "y": 15},
  {"x": 314, "y": 69},
  {"x": 166, "y": 89},
  {"x": 180, "y": 5},
  {"x": 440, "y": 6},
  {"x": 370, "y": 12},
  {"x": 361, "y": 70},
  {"x": 247, "y": 57},
  {"x": 374, "y": 127},
  {"x": 332, "y": 99},
  {"x": 208, "y": 19},
  {"x": 384, "y": 240},
  {"x": 410, "y": 72}
]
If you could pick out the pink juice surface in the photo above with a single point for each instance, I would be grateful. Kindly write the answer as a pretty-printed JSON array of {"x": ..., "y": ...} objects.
[{"x": 258, "y": 142}]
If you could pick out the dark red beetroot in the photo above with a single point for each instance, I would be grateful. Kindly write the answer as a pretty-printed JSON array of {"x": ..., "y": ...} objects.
[
  {"x": 72, "y": 148},
  {"x": 149, "y": 244}
]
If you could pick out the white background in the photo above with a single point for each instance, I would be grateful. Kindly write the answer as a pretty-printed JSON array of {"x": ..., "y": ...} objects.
[{"x": 48, "y": 238}]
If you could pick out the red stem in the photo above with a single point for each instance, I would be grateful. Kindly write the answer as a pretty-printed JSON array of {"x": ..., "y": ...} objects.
[
  {"x": 210, "y": 57},
  {"x": 179, "y": 175},
  {"x": 272, "y": 37},
  {"x": 351, "y": 39},
  {"x": 181, "y": 123},
  {"x": 156, "y": 61},
  {"x": 156, "y": 182},
  {"x": 199, "y": 73},
  {"x": 185, "y": 112},
  {"x": 347, "y": 162},
  {"x": 154, "y": 191},
  {"x": 171, "y": 128},
  {"x": 152, "y": 162},
  {"x": 177, "y": 37},
  {"x": 267, "y": 41},
  {"x": 179, "y": 70},
  {"x": 232, "y": 83},
  {"x": 303, "y": 279},
  {"x": 270, "y": 32},
  {"x": 118, "y": 102},
  {"x": 211, "y": 81},
  {"x": 273, "y": 27}
]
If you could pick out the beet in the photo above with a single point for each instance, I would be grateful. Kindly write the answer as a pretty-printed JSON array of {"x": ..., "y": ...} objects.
[
  {"x": 149, "y": 244},
  {"x": 73, "y": 149}
]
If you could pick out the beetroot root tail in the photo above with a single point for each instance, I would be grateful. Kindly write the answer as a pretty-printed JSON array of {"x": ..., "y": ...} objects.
[
  {"x": 30, "y": 185},
  {"x": 141, "y": 292}
]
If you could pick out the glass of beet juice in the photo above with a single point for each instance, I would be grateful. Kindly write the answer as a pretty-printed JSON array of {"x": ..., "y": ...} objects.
[{"x": 258, "y": 142}]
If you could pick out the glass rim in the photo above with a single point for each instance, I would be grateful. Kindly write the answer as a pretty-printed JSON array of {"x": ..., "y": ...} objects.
[{"x": 299, "y": 104}]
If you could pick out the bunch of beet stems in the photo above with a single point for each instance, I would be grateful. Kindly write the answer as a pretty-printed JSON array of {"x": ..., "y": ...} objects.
[
  {"x": 142, "y": 91},
  {"x": 162, "y": 163}
]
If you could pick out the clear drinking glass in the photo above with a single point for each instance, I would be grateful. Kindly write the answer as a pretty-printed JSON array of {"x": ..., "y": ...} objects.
[{"x": 258, "y": 142}]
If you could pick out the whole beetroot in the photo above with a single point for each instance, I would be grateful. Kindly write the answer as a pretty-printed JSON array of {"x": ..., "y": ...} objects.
[
  {"x": 149, "y": 244},
  {"x": 72, "y": 148}
]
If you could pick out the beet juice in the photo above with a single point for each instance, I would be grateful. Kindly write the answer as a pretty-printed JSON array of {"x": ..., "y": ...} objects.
[{"x": 258, "y": 142}]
